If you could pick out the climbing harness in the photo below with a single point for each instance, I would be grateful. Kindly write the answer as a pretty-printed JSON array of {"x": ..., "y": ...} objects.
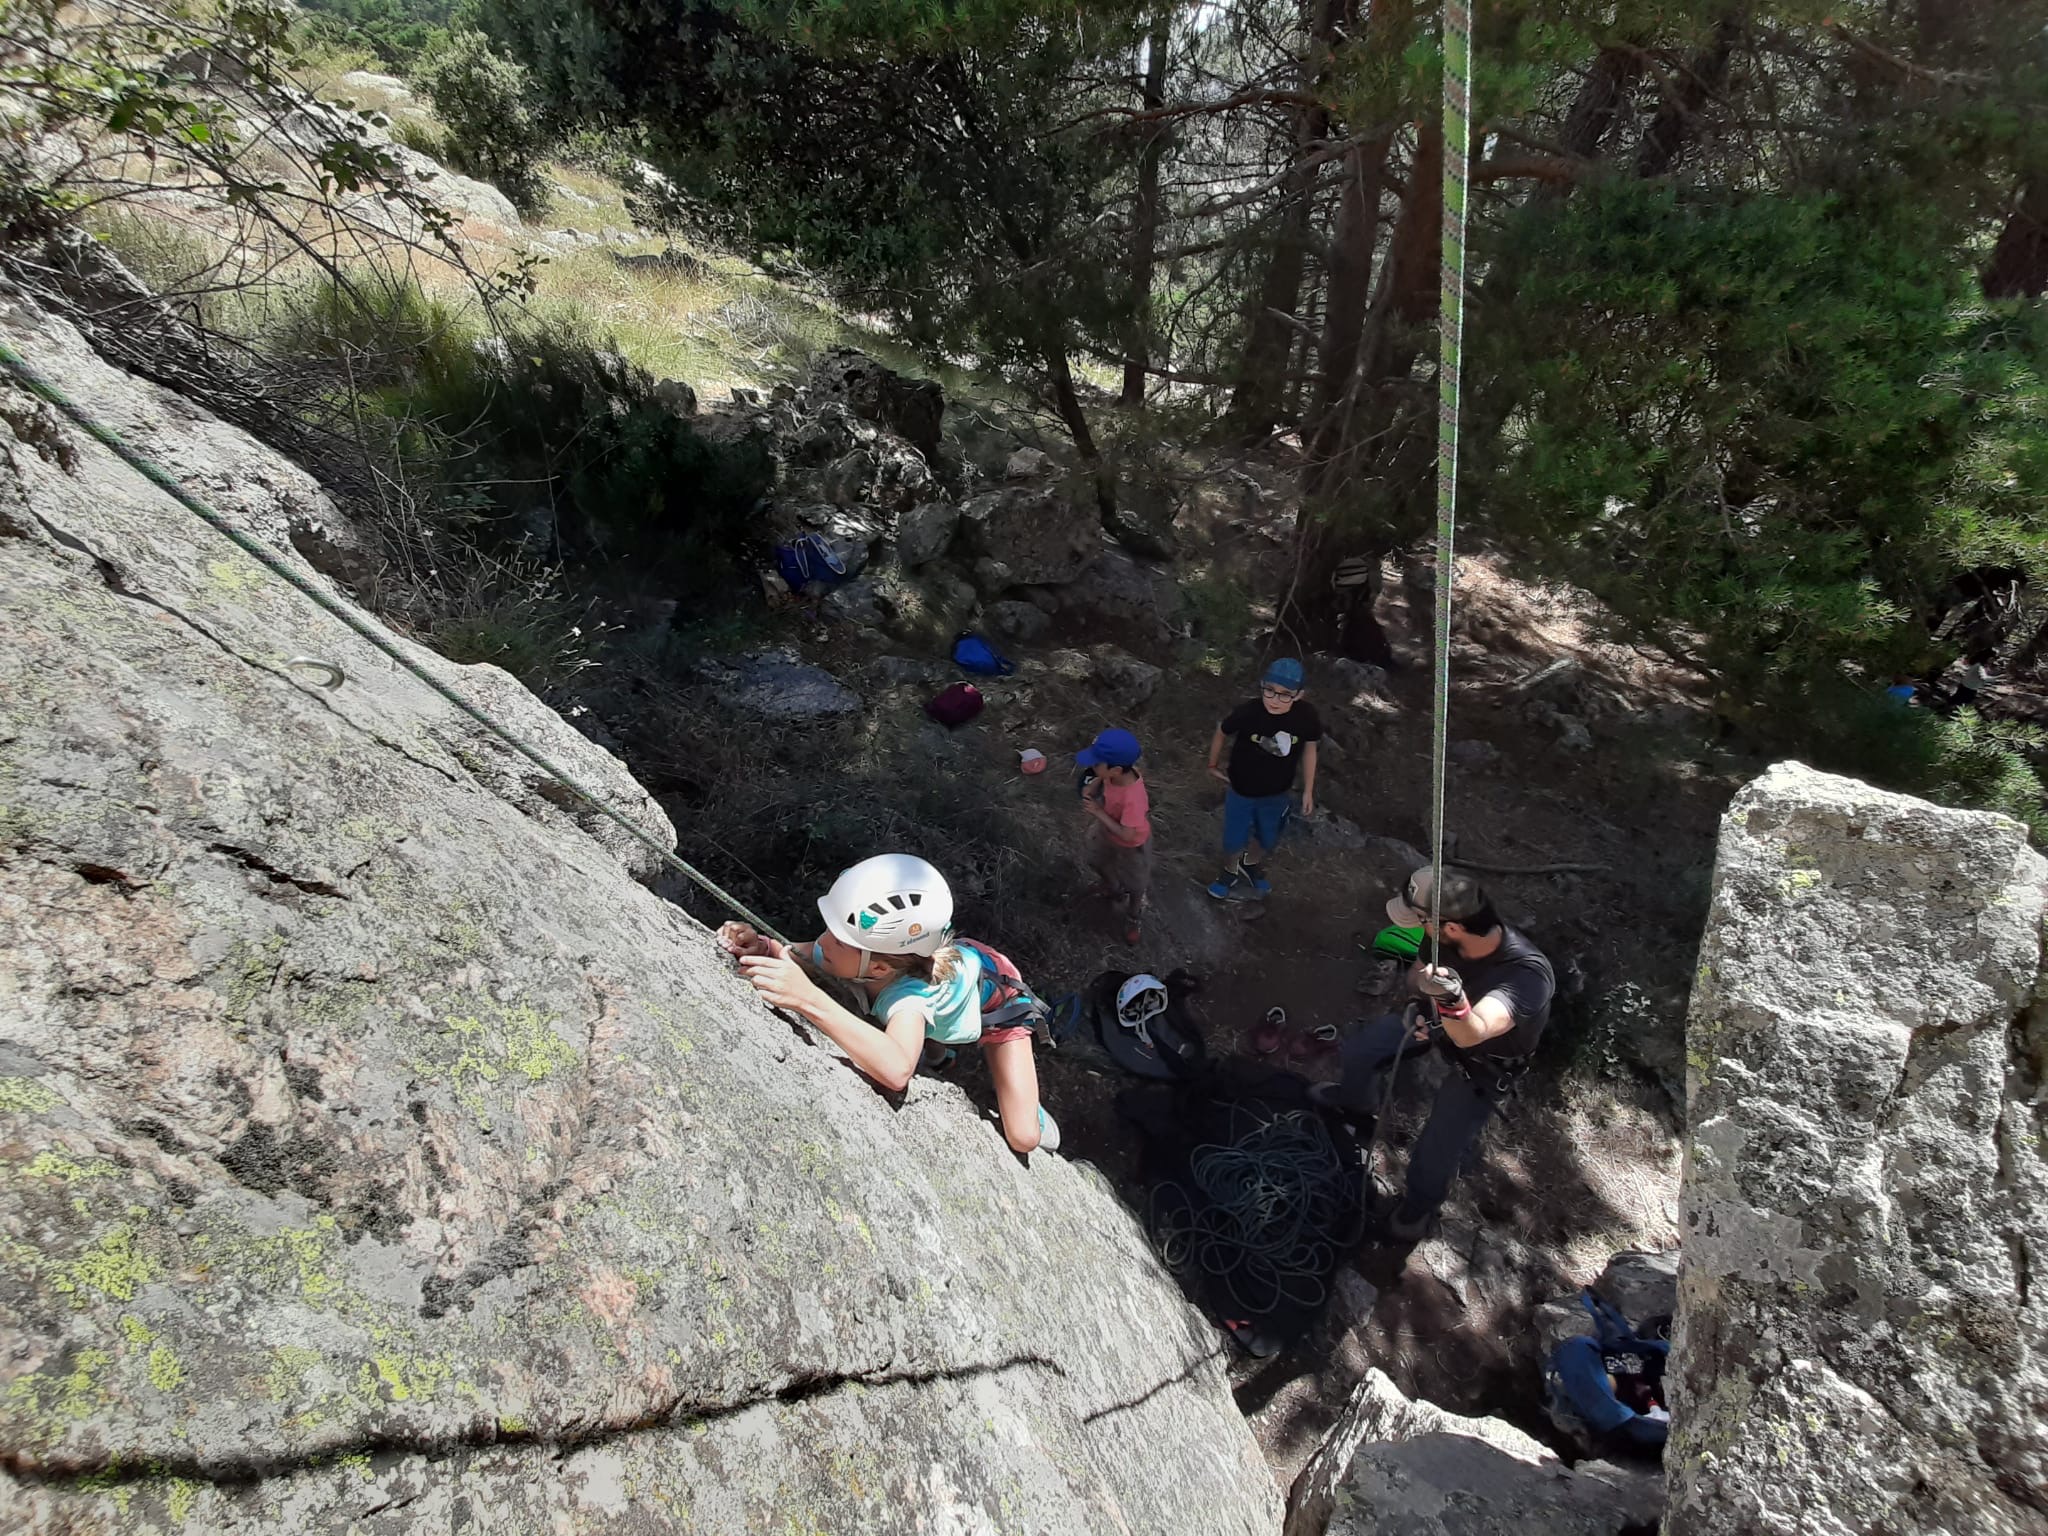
[
  {"x": 263, "y": 555},
  {"x": 1450, "y": 361}
]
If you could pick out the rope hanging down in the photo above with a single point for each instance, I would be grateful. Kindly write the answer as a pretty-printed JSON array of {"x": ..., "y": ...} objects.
[
  {"x": 264, "y": 555},
  {"x": 1450, "y": 360}
]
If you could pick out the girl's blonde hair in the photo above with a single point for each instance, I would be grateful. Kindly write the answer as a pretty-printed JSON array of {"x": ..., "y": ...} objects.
[{"x": 938, "y": 968}]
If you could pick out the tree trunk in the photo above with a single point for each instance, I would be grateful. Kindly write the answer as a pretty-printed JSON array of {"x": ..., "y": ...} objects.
[
  {"x": 1145, "y": 223},
  {"x": 1602, "y": 95},
  {"x": 1255, "y": 407},
  {"x": 1067, "y": 403},
  {"x": 1673, "y": 126},
  {"x": 1361, "y": 434},
  {"x": 1348, "y": 296},
  {"x": 2019, "y": 262}
]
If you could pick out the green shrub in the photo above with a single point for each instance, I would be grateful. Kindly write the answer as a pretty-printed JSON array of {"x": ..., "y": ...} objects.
[
  {"x": 512, "y": 614},
  {"x": 396, "y": 32},
  {"x": 486, "y": 103},
  {"x": 374, "y": 333},
  {"x": 562, "y": 433},
  {"x": 1961, "y": 759},
  {"x": 424, "y": 138},
  {"x": 542, "y": 439}
]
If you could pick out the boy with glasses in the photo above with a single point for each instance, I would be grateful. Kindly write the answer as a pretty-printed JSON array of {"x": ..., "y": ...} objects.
[{"x": 1270, "y": 737}]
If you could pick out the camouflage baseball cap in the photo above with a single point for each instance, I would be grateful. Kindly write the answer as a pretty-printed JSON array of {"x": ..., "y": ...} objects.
[{"x": 1462, "y": 897}]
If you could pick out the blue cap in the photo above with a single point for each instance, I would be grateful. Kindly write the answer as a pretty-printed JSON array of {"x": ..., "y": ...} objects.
[
  {"x": 1119, "y": 749},
  {"x": 1284, "y": 673}
]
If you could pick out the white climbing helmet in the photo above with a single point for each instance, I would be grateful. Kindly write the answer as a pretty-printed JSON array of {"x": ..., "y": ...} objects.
[
  {"x": 1139, "y": 1001},
  {"x": 892, "y": 904}
]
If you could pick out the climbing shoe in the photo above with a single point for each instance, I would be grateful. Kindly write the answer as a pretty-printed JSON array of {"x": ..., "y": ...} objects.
[{"x": 1048, "y": 1131}]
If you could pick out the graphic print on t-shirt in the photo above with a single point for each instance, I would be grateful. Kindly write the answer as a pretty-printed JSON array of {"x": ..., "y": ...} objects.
[
  {"x": 1280, "y": 743},
  {"x": 1267, "y": 748}
]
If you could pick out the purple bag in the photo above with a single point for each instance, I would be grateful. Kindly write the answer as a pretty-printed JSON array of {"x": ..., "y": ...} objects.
[{"x": 955, "y": 705}]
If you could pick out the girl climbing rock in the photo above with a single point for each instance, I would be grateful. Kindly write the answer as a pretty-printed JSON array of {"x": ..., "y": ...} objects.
[{"x": 889, "y": 930}]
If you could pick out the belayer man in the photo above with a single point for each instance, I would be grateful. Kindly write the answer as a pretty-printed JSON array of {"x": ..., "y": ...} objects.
[{"x": 1484, "y": 1007}]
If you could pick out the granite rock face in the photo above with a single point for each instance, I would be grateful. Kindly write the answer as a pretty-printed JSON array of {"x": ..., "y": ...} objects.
[
  {"x": 1861, "y": 1334},
  {"x": 1396, "y": 1467},
  {"x": 377, "y": 1156}
]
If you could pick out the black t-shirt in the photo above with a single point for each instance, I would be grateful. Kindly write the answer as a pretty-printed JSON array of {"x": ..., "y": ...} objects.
[
  {"x": 1520, "y": 976},
  {"x": 1265, "y": 747}
]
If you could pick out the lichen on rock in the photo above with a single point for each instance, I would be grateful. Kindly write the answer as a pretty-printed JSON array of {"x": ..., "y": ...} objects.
[{"x": 1859, "y": 1342}]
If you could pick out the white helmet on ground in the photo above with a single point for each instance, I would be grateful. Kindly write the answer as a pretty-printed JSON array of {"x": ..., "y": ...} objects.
[
  {"x": 892, "y": 904},
  {"x": 1140, "y": 1000}
]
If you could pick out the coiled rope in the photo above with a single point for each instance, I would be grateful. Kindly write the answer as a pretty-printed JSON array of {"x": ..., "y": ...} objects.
[{"x": 1270, "y": 1214}]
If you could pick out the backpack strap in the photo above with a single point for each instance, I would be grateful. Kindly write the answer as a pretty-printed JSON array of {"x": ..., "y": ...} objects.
[
  {"x": 1608, "y": 1323},
  {"x": 1005, "y": 999}
]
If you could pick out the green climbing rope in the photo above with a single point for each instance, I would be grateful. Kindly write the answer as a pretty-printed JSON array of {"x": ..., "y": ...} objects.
[
  {"x": 1457, "y": 152},
  {"x": 264, "y": 555}
]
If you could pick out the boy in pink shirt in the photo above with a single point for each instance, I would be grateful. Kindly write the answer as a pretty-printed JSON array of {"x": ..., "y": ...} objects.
[{"x": 1119, "y": 823}]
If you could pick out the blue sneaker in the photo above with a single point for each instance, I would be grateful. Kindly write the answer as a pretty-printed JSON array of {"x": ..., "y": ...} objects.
[
  {"x": 1222, "y": 888},
  {"x": 1256, "y": 874}
]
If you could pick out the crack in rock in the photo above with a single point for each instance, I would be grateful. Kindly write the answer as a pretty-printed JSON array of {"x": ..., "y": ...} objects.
[{"x": 114, "y": 1470}]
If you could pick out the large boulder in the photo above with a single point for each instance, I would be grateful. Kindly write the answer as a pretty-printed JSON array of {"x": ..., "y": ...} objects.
[
  {"x": 376, "y": 1156},
  {"x": 925, "y": 532},
  {"x": 1040, "y": 532},
  {"x": 1022, "y": 622},
  {"x": 913, "y": 409},
  {"x": 1129, "y": 681},
  {"x": 1126, "y": 593},
  {"x": 779, "y": 685},
  {"x": 1395, "y": 1467},
  {"x": 1861, "y": 1335}
]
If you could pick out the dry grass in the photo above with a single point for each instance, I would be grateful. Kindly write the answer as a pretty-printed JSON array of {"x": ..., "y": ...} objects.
[{"x": 603, "y": 205}]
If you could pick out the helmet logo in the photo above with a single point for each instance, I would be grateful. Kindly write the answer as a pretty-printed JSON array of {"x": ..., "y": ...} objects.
[
  {"x": 916, "y": 930},
  {"x": 867, "y": 921}
]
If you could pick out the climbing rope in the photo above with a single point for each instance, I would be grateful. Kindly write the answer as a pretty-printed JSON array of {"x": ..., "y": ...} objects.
[
  {"x": 1271, "y": 1212},
  {"x": 1450, "y": 361},
  {"x": 264, "y": 555}
]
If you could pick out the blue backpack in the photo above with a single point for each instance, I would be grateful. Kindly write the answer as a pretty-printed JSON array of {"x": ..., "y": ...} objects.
[
  {"x": 971, "y": 653},
  {"x": 1578, "y": 1393},
  {"x": 806, "y": 559}
]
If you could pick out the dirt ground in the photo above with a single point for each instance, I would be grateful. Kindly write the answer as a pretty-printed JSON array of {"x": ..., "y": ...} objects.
[{"x": 1586, "y": 1163}]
